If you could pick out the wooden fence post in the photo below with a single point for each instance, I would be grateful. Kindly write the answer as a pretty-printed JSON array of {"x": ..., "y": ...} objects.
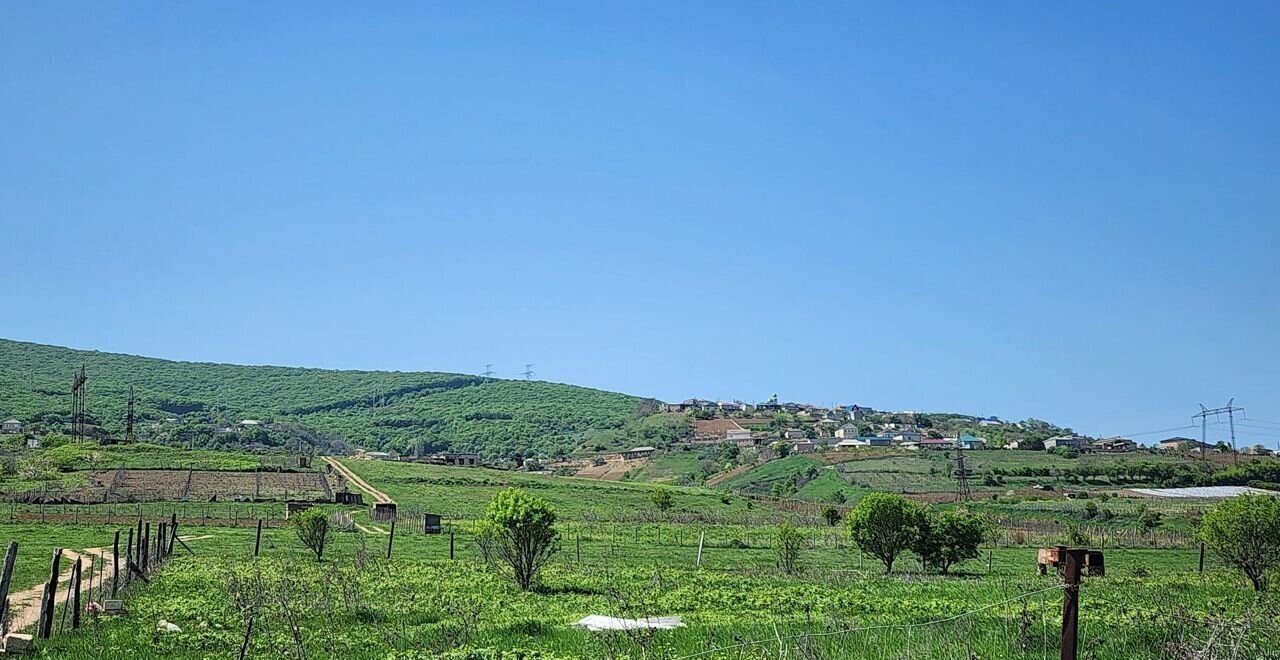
[
  {"x": 451, "y": 543},
  {"x": 115, "y": 565},
  {"x": 1073, "y": 563},
  {"x": 45, "y": 627},
  {"x": 392, "y": 537},
  {"x": 701, "y": 538},
  {"x": 9, "y": 558},
  {"x": 74, "y": 601},
  {"x": 1201, "y": 557},
  {"x": 257, "y": 543},
  {"x": 145, "y": 546},
  {"x": 128, "y": 556}
]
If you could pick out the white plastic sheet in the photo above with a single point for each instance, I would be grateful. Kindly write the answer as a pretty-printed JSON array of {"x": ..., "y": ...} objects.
[{"x": 596, "y": 622}]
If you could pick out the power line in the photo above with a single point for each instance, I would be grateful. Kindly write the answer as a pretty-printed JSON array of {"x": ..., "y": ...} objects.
[
  {"x": 1230, "y": 410},
  {"x": 488, "y": 371},
  {"x": 528, "y": 372}
]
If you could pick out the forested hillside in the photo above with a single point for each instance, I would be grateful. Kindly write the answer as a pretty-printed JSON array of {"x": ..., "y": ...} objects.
[{"x": 403, "y": 411}]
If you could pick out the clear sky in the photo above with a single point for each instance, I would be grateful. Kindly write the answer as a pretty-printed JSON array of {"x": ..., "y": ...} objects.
[{"x": 1014, "y": 209}]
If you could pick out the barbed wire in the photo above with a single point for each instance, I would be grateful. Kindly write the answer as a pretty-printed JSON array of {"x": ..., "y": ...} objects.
[
  {"x": 1183, "y": 618},
  {"x": 886, "y": 626}
]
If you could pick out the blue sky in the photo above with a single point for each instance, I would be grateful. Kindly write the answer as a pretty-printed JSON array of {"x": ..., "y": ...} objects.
[{"x": 1067, "y": 213}]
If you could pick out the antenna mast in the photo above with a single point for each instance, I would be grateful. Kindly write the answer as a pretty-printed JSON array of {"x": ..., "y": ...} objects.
[
  {"x": 1230, "y": 410},
  {"x": 77, "y": 404},
  {"x": 488, "y": 371},
  {"x": 962, "y": 477},
  {"x": 528, "y": 372}
]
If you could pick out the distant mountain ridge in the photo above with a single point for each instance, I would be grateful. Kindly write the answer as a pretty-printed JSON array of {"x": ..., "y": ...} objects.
[{"x": 404, "y": 411}]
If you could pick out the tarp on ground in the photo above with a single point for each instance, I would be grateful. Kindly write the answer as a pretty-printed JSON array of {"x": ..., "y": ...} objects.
[{"x": 596, "y": 622}]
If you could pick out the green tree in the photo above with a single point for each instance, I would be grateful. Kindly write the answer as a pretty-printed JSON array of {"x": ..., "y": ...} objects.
[
  {"x": 949, "y": 537},
  {"x": 313, "y": 529},
  {"x": 526, "y": 537},
  {"x": 1245, "y": 532},
  {"x": 786, "y": 548},
  {"x": 1148, "y": 519},
  {"x": 832, "y": 515},
  {"x": 884, "y": 525},
  {"x": 661, "y": 498}
]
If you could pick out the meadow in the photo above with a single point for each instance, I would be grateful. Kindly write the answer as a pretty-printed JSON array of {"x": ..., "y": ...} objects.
[{"x": 619, "y": 556}]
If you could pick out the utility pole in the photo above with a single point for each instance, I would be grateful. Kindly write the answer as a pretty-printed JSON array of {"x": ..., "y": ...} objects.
[
  {"x": 77, "y": 404},
  {"x": 488, "y": 371},
  {"x": 1230, "y": 411},
  {"x": 528, "y": 372},
  {"x": 962, "y": 477},
  {"x": 128, "y": 419}
]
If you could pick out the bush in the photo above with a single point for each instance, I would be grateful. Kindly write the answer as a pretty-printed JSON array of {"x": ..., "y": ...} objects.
[
  {"x": 832, "y": 515},
  {"x": 661, "y": 498},
  {"x": 313, "y": 529},
  {"x": 786, "y": 548},
  {"x": 950, "y": 537},
  {"x": 526, "y": 538},
  {"x": 884, "y": 525},
  {"x": 1245, "y": 532}
]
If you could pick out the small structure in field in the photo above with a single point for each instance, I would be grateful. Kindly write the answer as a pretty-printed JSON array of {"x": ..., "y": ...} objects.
[
  {"x": 291, "y": 508},
  {"x": 18, "y": 644},
  {"x": 1055, "y": 557},
  {"x": 431, "y": 523},
  {"x": 455, "y": 459},
  {"x": 383, "y": 511},
  {"x": 348, "y": 497},
  {"x": 637, "y": 453},
  {"x": 10, "y": 426}
]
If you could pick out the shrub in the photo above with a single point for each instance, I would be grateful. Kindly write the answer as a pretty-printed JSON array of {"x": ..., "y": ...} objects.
[
  {"x": 949, "y": 537},
  {"x": 786, "y": 548},
  {"x": 832, "y": 515},
  {"x": 661, "y": 498},
  {"x": 313, "y": 529},
  {"x": 884, "y": 525},
  {"x": 486, "y": 539},
  {"x": 1245, "y": 532},
  {"x": 526, "y": 537}
]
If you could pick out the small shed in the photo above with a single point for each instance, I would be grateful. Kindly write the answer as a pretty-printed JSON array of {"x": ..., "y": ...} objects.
[
  {"x": 347, "y": 497},
  {"x": 383, "y": 511},
  {"x": 431, "y": 523},
  {"x": 291, "y": 508}
]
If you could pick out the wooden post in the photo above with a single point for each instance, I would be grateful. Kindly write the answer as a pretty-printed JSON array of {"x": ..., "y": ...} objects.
[
  {"x": 9, "y": 558},
  {"x": 128, "y": 555},
  {"x": 173, "y": 532},
  {"x": 45, "y": 627},
  {"x": 451, "y": 542},
  {"x": 74, "y": 602},
  {"x": 579, "y": 544},
  {"x": 145, "y": 547},
  {"x": 257, "y": 543},
  {"x": 1201, "y": 557},
  {"x": 115, "y": 565},
  {"x": 392, "y": 537},
  {"x": 701, "y": 538},
  {"x": 162, "y": 528},
  {"x": 990, "y": 556},
  {"x": 1073, "y": 562}
]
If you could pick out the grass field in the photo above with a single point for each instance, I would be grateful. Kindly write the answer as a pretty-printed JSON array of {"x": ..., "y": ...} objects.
[{"x": 620, "y": 557}]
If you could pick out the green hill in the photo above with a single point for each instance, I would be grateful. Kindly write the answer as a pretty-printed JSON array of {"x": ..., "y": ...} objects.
[{"x": 396, "y": 410}]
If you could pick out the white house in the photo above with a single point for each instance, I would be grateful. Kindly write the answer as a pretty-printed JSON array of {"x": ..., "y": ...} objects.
[
  {"x": 737, "y": 435},
  {"x": 10, "y": 426},
  {"x": 907, "y": 436},
  {"x": 1069, "y": 441},
  {"x": 793, "y": 434},
  {"x": 847, "y": 432}
]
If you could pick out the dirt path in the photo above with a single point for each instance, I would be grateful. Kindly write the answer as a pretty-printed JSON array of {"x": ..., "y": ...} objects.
[
  {"x": 25, "y": 605},
  {"x": 375, "y": 529},
  {"x": 723, "y": 476},
  {"x": 378, "y": 496}
]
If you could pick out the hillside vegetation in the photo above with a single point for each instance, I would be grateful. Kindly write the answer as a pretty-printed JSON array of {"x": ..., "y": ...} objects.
[{"x": 404, "y": 411}]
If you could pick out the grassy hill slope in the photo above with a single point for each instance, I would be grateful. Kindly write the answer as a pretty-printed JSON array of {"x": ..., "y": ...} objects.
[{"x": 384, "y": 409}]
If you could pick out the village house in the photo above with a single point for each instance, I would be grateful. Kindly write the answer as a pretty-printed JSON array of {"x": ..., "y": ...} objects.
[
  {"x": 990, "y": 422},
  {"x": 1114, "y": 446},
  {"x": 847, "y": 431},
  {"x": 10, "y": 426},
  {"x": 637, "y": 453},
  {"x": 855, "y": 412},
  {"x": 768, "y": 407},
  {"x": 456, "y": 459},
  {"x": 33, "y": 443},
  {"x": 729, "y": 407},
  {"x": 737, "y": 435},
  {"x": 938, "y": 443},
  {"x": 793, "y": 434},
  {"x": 852, "y": 443},
  {"x": 1069, "y": 441},
  {"x": 910, "y": 435},
  {"x": 1183, "y": 444},
  {"x": 968, "y": 441},
  {"x": 804, "y": 447}
]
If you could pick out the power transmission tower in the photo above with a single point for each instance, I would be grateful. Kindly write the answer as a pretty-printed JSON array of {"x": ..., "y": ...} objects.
[
  {"x": 488, "y": 371},
  {"x": 1230, "y": 411},
  {"x": 77, "y": 404},
  {"x": 962, "y": 477},
  {"x": 528, "y": 372},
  {"x": 128, "y": 419}
]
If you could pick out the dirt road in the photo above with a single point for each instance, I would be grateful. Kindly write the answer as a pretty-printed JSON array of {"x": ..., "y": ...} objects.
[
  {"x": 377, "y": 495},
  {"x": 25, "y": 605}
]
